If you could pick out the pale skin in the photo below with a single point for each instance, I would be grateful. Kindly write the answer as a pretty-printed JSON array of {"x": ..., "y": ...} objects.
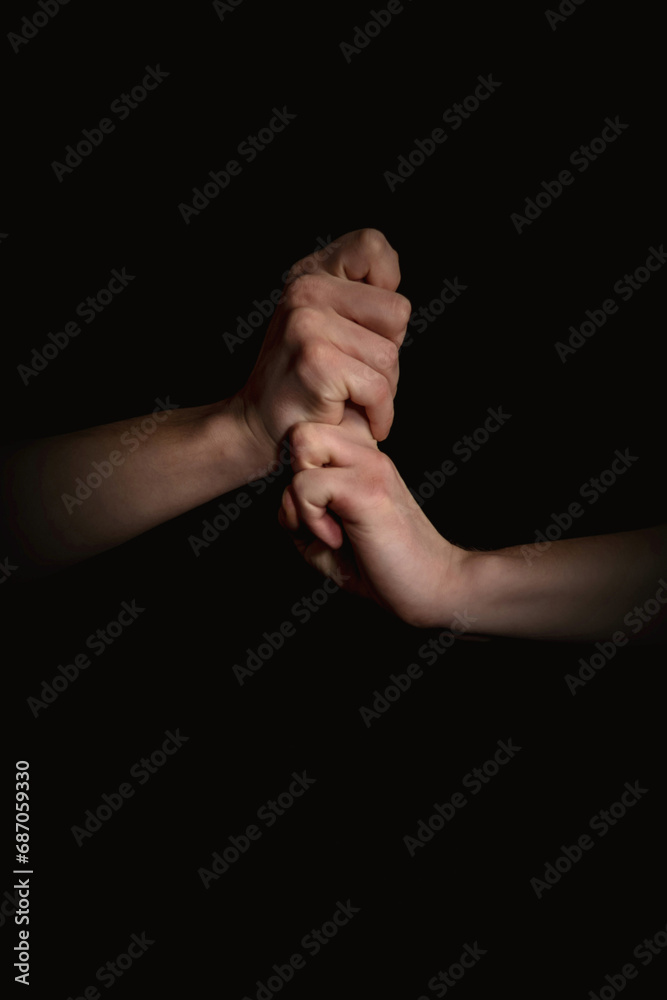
[
  {"x": 333, "y": 337},
  {"x": 327, "y": 372},
  {"x": 382, "y": 546}
]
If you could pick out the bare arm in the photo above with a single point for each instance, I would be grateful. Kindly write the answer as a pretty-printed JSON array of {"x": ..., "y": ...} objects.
[
  {"x": 580, "y": 588},
  {"x": 388, "y": 550},
  {"x": 334, "y": 336},
  {"x": 69, "y": 497}
]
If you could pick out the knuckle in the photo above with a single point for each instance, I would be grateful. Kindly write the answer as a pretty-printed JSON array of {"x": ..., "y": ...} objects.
[
  {"x": 302, "y": 437},
  {"x": 387, "y": 355},
  {"x": 302, "y": 326},
  {"x": 374, "y": 241},
  {"x": 299, "y": 483},
  {"x": 380, "y": 386},
  {"x": 289, "y": 294},
  {"x": 315, "y": 353},
  {"x": 403, "y": 309}
]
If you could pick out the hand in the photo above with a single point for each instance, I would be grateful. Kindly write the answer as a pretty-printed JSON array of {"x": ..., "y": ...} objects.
[
  {"x": 386, "y": 548},
  {"x": 334, "y": 336}
]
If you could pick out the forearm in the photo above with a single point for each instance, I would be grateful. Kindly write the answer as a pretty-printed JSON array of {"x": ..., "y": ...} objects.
[
  {"x": 72, "y": 496},
  {"x": 579, "y": 589}
]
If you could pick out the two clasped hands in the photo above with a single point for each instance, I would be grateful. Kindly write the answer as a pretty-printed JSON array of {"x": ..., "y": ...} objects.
[
  {"x": 327, "y": 376},
  {"x": 342, "y": 327}
]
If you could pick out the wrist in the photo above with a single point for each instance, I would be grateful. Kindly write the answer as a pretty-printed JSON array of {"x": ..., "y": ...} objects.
[
  {"x": 241, "y": 453},
  {"x": 496, "y": 596},
  {"x": 460, "y": 592}
]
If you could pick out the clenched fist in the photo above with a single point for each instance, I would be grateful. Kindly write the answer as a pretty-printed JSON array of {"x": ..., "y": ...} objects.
[
  {"x": 334, "y": 337},
  {"x": 387, "y": 548}
]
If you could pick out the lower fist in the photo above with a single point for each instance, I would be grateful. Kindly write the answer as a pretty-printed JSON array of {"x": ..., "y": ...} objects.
[{"x": 379, "y": 538}]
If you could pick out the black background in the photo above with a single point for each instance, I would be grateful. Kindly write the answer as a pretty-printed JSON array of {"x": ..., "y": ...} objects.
[{"x": 322, "y": 177}]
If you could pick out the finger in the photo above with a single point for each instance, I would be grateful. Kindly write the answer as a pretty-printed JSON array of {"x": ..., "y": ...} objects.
[
  {"x": 288, "y": 514},
  {"x": 334, "y": 377},
  {"x": 311, "y": 499},
  {"x": 375, "y": 393},
  {"x": 355, "y": 423},
  {"x": 315, "y": 445},
  {"x": 381, "y": 311},
  {"x": 375, "y": 351},
  {"x": 337, "y": 564},
  {"x": 365, "y": 255},
  {"x": 301, "y": 534},
  {"x": 329, "y": 530},
  {"x": 385, "y": 313}
]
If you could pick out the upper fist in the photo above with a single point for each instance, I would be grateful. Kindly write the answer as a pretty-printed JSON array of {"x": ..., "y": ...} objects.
[{"x": 334, "y": 337}]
